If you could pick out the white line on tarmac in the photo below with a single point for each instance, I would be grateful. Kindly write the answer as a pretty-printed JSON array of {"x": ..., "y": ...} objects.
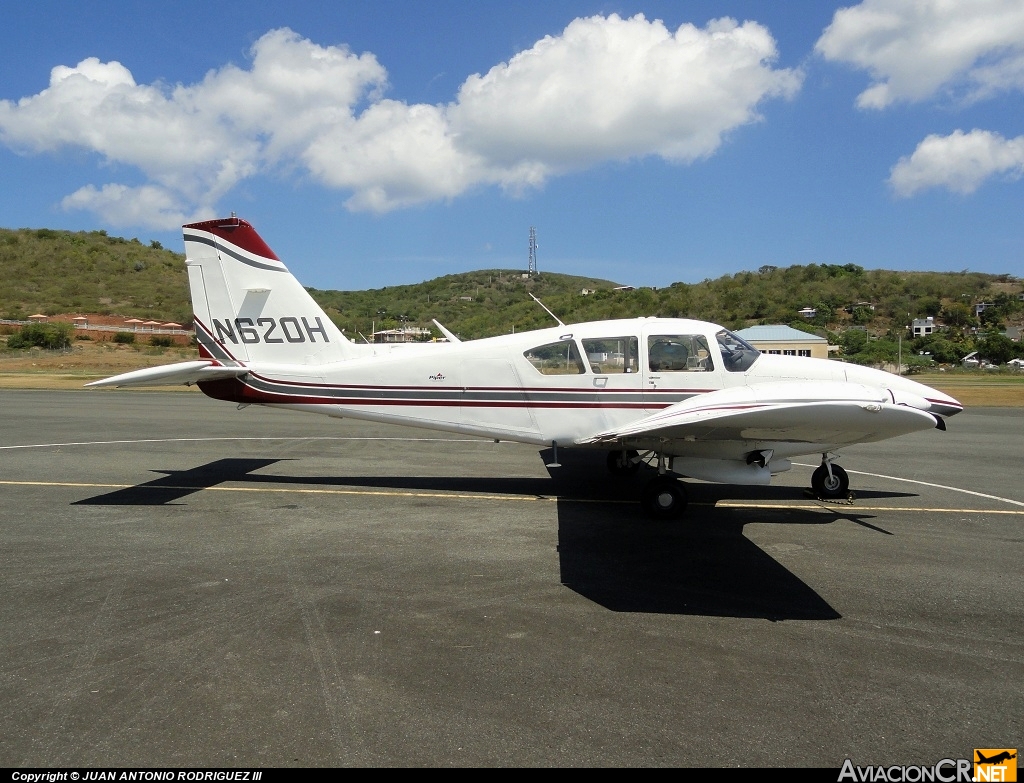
[{"x": 925, "y": 484}]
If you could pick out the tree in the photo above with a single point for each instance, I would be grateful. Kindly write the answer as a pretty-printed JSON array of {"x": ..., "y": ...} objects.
[
  {"x": 997, "y": 348},
  {"x": 958, "y": 315},
  {"x": 54, "y": 337},
  {"x": 853, "y": 341},
  {"x": 863, "y": 315}
]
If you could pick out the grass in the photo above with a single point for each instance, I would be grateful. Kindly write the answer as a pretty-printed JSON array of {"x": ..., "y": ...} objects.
[{"x": 979, "y": 389}]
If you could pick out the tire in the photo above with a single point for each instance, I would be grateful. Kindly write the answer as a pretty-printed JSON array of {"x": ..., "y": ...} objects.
[
  {"x": 830, "y": 488},
  {"x": 615, "y": 460},
  {"x": 664, "y": 498}
]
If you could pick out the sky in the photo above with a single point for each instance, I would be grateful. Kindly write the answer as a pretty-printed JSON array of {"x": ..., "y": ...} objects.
[{"x": 384, "y": 143}]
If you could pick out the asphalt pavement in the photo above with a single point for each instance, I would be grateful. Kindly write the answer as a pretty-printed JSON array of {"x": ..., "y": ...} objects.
[{"x": 187, "y": 584}]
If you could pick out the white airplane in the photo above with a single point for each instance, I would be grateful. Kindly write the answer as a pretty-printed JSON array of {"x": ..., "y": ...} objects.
[{"x": 687, "y": 396}]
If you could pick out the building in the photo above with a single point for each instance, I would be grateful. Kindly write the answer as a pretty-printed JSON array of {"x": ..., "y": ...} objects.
[
  {"x": 923, "y": 326},
  {"x": 785, "y": 340},
  {"x": 407, "y": 335}
]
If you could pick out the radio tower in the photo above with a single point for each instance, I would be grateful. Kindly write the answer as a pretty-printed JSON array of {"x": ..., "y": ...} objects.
[{"x": 533, "y": 251}]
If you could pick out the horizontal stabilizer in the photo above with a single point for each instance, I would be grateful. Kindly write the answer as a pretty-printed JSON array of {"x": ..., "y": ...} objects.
[{"x": 172, "y": 375}]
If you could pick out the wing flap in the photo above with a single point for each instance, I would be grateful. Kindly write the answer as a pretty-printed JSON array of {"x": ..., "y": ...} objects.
[
  {"x": 824, "y": 412},
  {"x": 172, "y": 375}
]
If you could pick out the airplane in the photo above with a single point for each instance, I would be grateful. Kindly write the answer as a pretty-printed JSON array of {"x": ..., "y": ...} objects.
[
  {"x": 687, "y": 397},
  {"x": 996, "y": 759}
]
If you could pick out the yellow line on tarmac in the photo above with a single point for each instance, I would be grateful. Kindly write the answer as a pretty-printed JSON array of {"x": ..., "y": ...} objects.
[
  {"x": 310, "y": 491},
  {"x": 733, "y": 504}
]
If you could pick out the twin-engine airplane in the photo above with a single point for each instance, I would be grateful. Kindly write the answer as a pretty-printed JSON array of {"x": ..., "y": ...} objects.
[{"x": 688, "y": 396}]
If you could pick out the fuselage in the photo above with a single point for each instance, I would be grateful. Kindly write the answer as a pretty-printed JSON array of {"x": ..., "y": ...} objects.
[{"x": 562, "y": 384}]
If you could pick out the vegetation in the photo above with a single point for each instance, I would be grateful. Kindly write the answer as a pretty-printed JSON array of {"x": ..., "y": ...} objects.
[
  {"x": 53, "y": 337},
  {"x": 50, "y": 272},
  {"x": 864, "y": 311}
]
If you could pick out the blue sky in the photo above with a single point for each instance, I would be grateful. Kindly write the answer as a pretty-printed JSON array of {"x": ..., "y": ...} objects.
[{"x": 383, "y": 143}]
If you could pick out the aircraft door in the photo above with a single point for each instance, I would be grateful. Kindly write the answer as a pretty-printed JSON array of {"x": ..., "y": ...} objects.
[
  {"x": 614, "y": 385},
  {"x": 676, "y": 367}
]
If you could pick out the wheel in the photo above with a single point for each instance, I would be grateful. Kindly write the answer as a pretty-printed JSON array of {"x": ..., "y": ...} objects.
[
  {"x": 830, "y": 487},
  {"x": 664, "y": 498},
  {"x": 623, "y": 463}
]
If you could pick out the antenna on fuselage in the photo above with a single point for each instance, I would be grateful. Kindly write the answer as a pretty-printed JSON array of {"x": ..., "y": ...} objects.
[{"x": 559, "y": 320}]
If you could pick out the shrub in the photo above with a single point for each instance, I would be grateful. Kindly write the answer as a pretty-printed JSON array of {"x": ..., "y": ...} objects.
[
  {"x": 51, "y": 336},
  {"x": 161, "y": 341},
  {"x": 124, "y": 338}
]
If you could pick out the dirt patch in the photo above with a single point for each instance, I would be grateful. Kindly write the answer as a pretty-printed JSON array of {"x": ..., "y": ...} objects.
[{"x": 82, "y": 363}]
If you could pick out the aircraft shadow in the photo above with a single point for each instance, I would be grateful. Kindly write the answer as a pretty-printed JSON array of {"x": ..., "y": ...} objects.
[
  {"x": 176, "y": 484},
  {"x": 608, "y": 552},
  {"x": 700, "y": 565}
]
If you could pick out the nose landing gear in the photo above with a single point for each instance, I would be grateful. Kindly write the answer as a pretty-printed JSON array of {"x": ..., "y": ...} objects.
[{"x": 829, "y": 481}]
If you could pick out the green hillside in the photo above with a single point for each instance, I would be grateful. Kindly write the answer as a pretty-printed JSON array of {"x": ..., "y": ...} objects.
[
  {"x": 50, "y": 272},
  {"x": 89, "y": 272}
]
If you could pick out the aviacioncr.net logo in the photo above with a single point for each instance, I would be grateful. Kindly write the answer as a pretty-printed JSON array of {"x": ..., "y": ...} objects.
[{"x": 945, "y": 771}]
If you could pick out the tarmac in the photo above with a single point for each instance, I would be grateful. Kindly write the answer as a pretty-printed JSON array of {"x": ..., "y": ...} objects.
[{"x": 187, "y": 584}]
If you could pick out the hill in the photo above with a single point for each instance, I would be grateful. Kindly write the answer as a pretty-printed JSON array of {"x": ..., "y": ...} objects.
[
  {"x": 90, "y": 272},
  {"x": 50, "y": 272}
]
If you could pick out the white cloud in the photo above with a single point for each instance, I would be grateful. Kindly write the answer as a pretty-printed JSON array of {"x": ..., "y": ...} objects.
[
  {"x": 915, "y": 48},
  {"x": 960, "y": 162},
  {"x": 607, "y": 88},
  {"x": 148, "y": 205},
  {"x": 612, "y": 88}
]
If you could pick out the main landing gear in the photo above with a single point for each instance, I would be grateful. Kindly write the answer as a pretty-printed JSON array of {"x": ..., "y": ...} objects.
[
  {"x": 664, "y": 496},
  {"x": 830, "y": 481}
]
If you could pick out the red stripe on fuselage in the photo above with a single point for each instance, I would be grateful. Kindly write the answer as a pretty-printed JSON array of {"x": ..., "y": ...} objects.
[{"x": 235, "y": 390}]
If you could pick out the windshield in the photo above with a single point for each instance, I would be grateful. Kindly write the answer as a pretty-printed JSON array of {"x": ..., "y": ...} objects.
[{"x": 737, "y": 354}]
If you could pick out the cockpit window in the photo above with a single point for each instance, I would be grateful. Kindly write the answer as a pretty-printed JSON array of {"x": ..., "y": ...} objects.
[
  {"x": 678, "y": 353},
  {"x": 613, "y": 355},
  {"x": 561, "y": 358},
  {"x": 737, "y": 353}
]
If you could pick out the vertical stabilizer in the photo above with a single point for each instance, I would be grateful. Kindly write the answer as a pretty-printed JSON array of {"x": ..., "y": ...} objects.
[{"x": 248, "y": 307}]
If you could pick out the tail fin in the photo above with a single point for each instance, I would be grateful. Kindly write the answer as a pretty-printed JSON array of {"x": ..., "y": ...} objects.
[{"x": 248, "y": 307}]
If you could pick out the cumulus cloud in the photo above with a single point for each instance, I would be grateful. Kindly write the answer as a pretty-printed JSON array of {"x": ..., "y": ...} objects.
[
  {"x": 612, "y": 88},
  {"x": 914, "y": 49},
  {"x": 607, "y": 88},
  {"x": 960, "y": 162}
]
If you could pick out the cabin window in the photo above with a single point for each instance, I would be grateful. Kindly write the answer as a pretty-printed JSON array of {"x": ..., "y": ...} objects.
[
  {"x": 561, "y": 358},
  {"x": 678, "y": 353},
  {"x": 737, "y": 353},
  {"x": 609, "y": 355}
]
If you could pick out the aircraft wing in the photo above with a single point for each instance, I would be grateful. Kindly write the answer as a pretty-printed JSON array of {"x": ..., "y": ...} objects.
[
  {"x": 825, "y": 412},
  {"x": 172, "y": 375}
]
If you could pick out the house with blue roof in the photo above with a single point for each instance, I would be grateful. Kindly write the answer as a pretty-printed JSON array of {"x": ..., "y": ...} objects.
[{"x": 785, "y": 340}]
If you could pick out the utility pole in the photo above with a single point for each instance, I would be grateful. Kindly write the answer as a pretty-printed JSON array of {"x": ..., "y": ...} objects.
[{"x": 533, "y": 251}]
